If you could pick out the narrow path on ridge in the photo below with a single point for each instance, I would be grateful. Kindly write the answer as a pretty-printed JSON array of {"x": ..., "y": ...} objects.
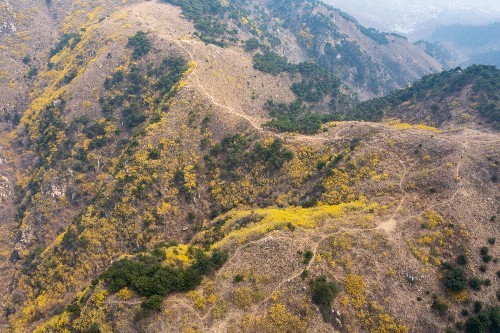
[{"x": 255, "y": 123}]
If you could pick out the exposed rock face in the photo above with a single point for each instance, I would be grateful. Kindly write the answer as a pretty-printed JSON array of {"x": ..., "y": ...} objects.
[{"x": 5, "y": 188}]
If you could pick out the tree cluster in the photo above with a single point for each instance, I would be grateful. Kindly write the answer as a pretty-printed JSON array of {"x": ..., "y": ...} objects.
[{"x": 147, "y": 276}]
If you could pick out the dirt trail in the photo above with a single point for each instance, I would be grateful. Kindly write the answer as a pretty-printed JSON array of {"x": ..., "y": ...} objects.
[
  {"x": 126, "y": 302},
  {"x": 254, "y": 122},
  {"x": 387, "y": 226},
  {"x": 191, "y": 309},
  {"x": 159, "y": 28},
  {"x": 391, "y": 224},
  {"x": 165, "y": 31},
  {"x": 317, "y": 244}
]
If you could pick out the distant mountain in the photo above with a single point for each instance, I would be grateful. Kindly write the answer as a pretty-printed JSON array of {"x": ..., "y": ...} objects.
[
  {"x": 446, "y": 55},
  {"x": 464, "y": 45},
  {"x": 468, "y": 36},
  {"x": 453, "y": 32},
  {"x": 371, "y": 62},
  {"x": 472, "y": 44},
  {"x": 419, "y": 17},
  {"x": 487, "y": 57}
]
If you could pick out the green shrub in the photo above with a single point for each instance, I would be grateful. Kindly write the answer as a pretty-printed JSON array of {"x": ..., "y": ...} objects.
[
  {"x": 251, "y": 44},
  {"x": 486, "y": 86},
  {"x": 93, "y": 328},
  {"x": 70, "y": 40},
  {"x": 94, "y": 129},
  {"x": 32, "y": 72},
  {"x": 294, "y": 117},
  {"x": 323, "y": 292},
  {"x": 455, "y": 279},
  {"x": 148, "y": 277},
  {"x": 74, "y": 309},
  {"x": 316, "y": 84},
  {"x": 320, "y": 164},
  {"x": 125, "y": 91},
  {"x": 308, "y": 255},
  {"x": 308, "y": 123},
  {"x": 69, "y": 239},
  {"x": 133, "y": 115},
  {"x": 140, "y": 43},
  {"x": 475, "y": 283},
  {"x": 272, "y": 63},
  {"x": 154, "y": 154},
  {"x": 486, "y": 258},
  {"x": 487, "y": 321},
  {"x": 439, "y": 306},
  {"x": 462, "y": 259},
  {"x": 207, "y": 17},
  {"x": 69, "y": 77},
  {"x": 478, "y": 306},
  {"x": 153, "y": 303},
  {"x": 231, "y": 153},
  {"x": 274, "y": 155}
]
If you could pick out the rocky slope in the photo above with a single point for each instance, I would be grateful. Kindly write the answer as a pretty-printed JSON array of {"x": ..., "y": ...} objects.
[{"x": 141, "y": 191}]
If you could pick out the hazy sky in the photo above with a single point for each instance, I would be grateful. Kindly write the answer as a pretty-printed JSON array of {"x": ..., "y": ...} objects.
[{"x": 414, "y": 16}]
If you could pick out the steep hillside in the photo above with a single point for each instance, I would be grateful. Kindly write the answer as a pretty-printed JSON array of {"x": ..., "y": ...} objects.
[
  {"x": 29, "y": 31},
  {"x": 89, "y": 109},
  {"x": 455, "y": 98},
  {"x": 371, "y": 62},
  {"x": 168, "y": 170}
]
